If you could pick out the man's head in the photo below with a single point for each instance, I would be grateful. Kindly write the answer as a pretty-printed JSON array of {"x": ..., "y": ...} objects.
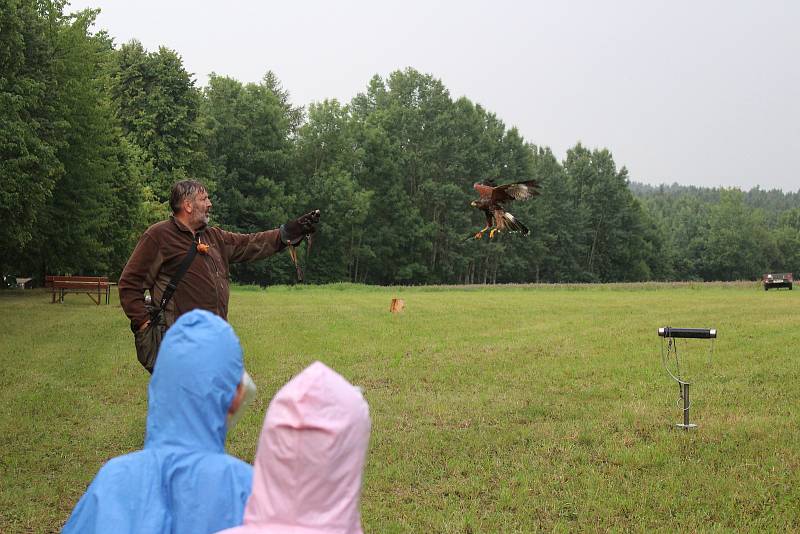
[{"x": 190, "y": 203}]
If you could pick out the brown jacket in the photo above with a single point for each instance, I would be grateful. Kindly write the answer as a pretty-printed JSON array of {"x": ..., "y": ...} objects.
[{"x": 160, "y": 251}]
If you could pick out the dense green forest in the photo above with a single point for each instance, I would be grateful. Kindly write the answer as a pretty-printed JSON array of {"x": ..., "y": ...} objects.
[{"x": 94, "y": 133}]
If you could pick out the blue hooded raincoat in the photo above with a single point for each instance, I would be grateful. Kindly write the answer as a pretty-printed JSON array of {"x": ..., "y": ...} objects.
[{"x": 182, "y": 481}]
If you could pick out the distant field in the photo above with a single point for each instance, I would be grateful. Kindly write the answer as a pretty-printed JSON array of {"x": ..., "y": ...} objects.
[{"x": 494, "y": 409}]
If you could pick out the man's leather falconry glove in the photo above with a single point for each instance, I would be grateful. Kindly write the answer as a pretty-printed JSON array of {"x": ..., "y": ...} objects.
[{"x": 293, "y": 232}]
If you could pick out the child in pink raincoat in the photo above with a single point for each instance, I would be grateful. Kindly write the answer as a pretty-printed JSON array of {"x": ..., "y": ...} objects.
[{"x": 310, "y": 458}]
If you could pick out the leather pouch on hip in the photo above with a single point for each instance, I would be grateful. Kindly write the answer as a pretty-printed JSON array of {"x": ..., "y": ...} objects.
[{"x": 148, "y": 341}]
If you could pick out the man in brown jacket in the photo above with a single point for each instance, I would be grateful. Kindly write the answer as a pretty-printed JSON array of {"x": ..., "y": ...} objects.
[{"x": 163, "y": 246}]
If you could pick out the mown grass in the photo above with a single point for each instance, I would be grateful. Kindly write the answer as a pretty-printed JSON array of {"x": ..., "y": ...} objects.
[{"x": 507, "y": 409}]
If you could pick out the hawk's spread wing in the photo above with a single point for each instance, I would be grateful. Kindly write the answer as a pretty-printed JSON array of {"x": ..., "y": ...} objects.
[
  {"x": 484, "y": 191},
  {"x": 515, "y": 191}
]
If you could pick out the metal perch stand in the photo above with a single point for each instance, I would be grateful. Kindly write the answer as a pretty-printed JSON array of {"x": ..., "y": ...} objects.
[{"x": 672, "y": 349}]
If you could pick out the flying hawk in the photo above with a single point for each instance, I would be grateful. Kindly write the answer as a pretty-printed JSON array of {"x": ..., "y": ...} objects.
[{"x": 491, "y": 204}]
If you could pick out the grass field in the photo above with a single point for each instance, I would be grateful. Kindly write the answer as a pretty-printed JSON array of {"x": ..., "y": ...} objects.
[{"x": 494, "y": 409}]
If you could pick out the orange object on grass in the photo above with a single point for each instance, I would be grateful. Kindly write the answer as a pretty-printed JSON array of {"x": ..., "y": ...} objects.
[{"x": 397, "y": 305}]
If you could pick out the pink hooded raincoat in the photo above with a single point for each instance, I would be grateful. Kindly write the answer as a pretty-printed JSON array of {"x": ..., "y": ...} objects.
[{"x": 310, "y": 458}]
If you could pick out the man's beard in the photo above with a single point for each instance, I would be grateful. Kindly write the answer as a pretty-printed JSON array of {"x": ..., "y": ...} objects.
[{"x": 201, "y": 218}]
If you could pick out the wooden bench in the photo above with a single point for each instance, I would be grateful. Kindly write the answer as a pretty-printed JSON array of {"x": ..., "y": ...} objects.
[{"x": 91, "y": 285}]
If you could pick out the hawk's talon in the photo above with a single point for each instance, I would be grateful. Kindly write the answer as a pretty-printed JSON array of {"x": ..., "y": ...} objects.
[
  {"x": 492, "y": 232},
  {"x": 479, "y": 235}
]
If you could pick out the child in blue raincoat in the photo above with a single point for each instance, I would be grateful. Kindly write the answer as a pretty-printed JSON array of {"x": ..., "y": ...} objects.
[{"x": 182, "y": 481}]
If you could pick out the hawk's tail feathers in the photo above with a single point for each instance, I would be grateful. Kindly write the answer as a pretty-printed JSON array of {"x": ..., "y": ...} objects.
[{"x": 514, "y": 225}]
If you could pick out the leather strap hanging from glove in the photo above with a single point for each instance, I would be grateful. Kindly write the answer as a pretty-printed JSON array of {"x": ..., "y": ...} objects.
[
  {"x": 293, "y": 233},
  {"x": 293, "y": 255}
]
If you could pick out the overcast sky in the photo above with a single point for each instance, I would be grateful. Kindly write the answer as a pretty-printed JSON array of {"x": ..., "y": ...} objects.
[{"x": 696, "y": 92}]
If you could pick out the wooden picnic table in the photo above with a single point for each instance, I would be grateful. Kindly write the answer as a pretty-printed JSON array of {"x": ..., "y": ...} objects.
[{"x": 98, "y": 286}]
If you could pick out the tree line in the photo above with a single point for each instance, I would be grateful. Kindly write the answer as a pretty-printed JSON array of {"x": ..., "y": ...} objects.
[{"x": 94, "y": 134}]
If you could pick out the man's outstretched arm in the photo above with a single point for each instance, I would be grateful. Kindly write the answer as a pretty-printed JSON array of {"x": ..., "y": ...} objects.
[{"x": 250, "y": 247}]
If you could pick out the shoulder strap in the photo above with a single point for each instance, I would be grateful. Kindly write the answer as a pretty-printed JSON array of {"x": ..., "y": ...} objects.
[{"x": 176, "y": 278}]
